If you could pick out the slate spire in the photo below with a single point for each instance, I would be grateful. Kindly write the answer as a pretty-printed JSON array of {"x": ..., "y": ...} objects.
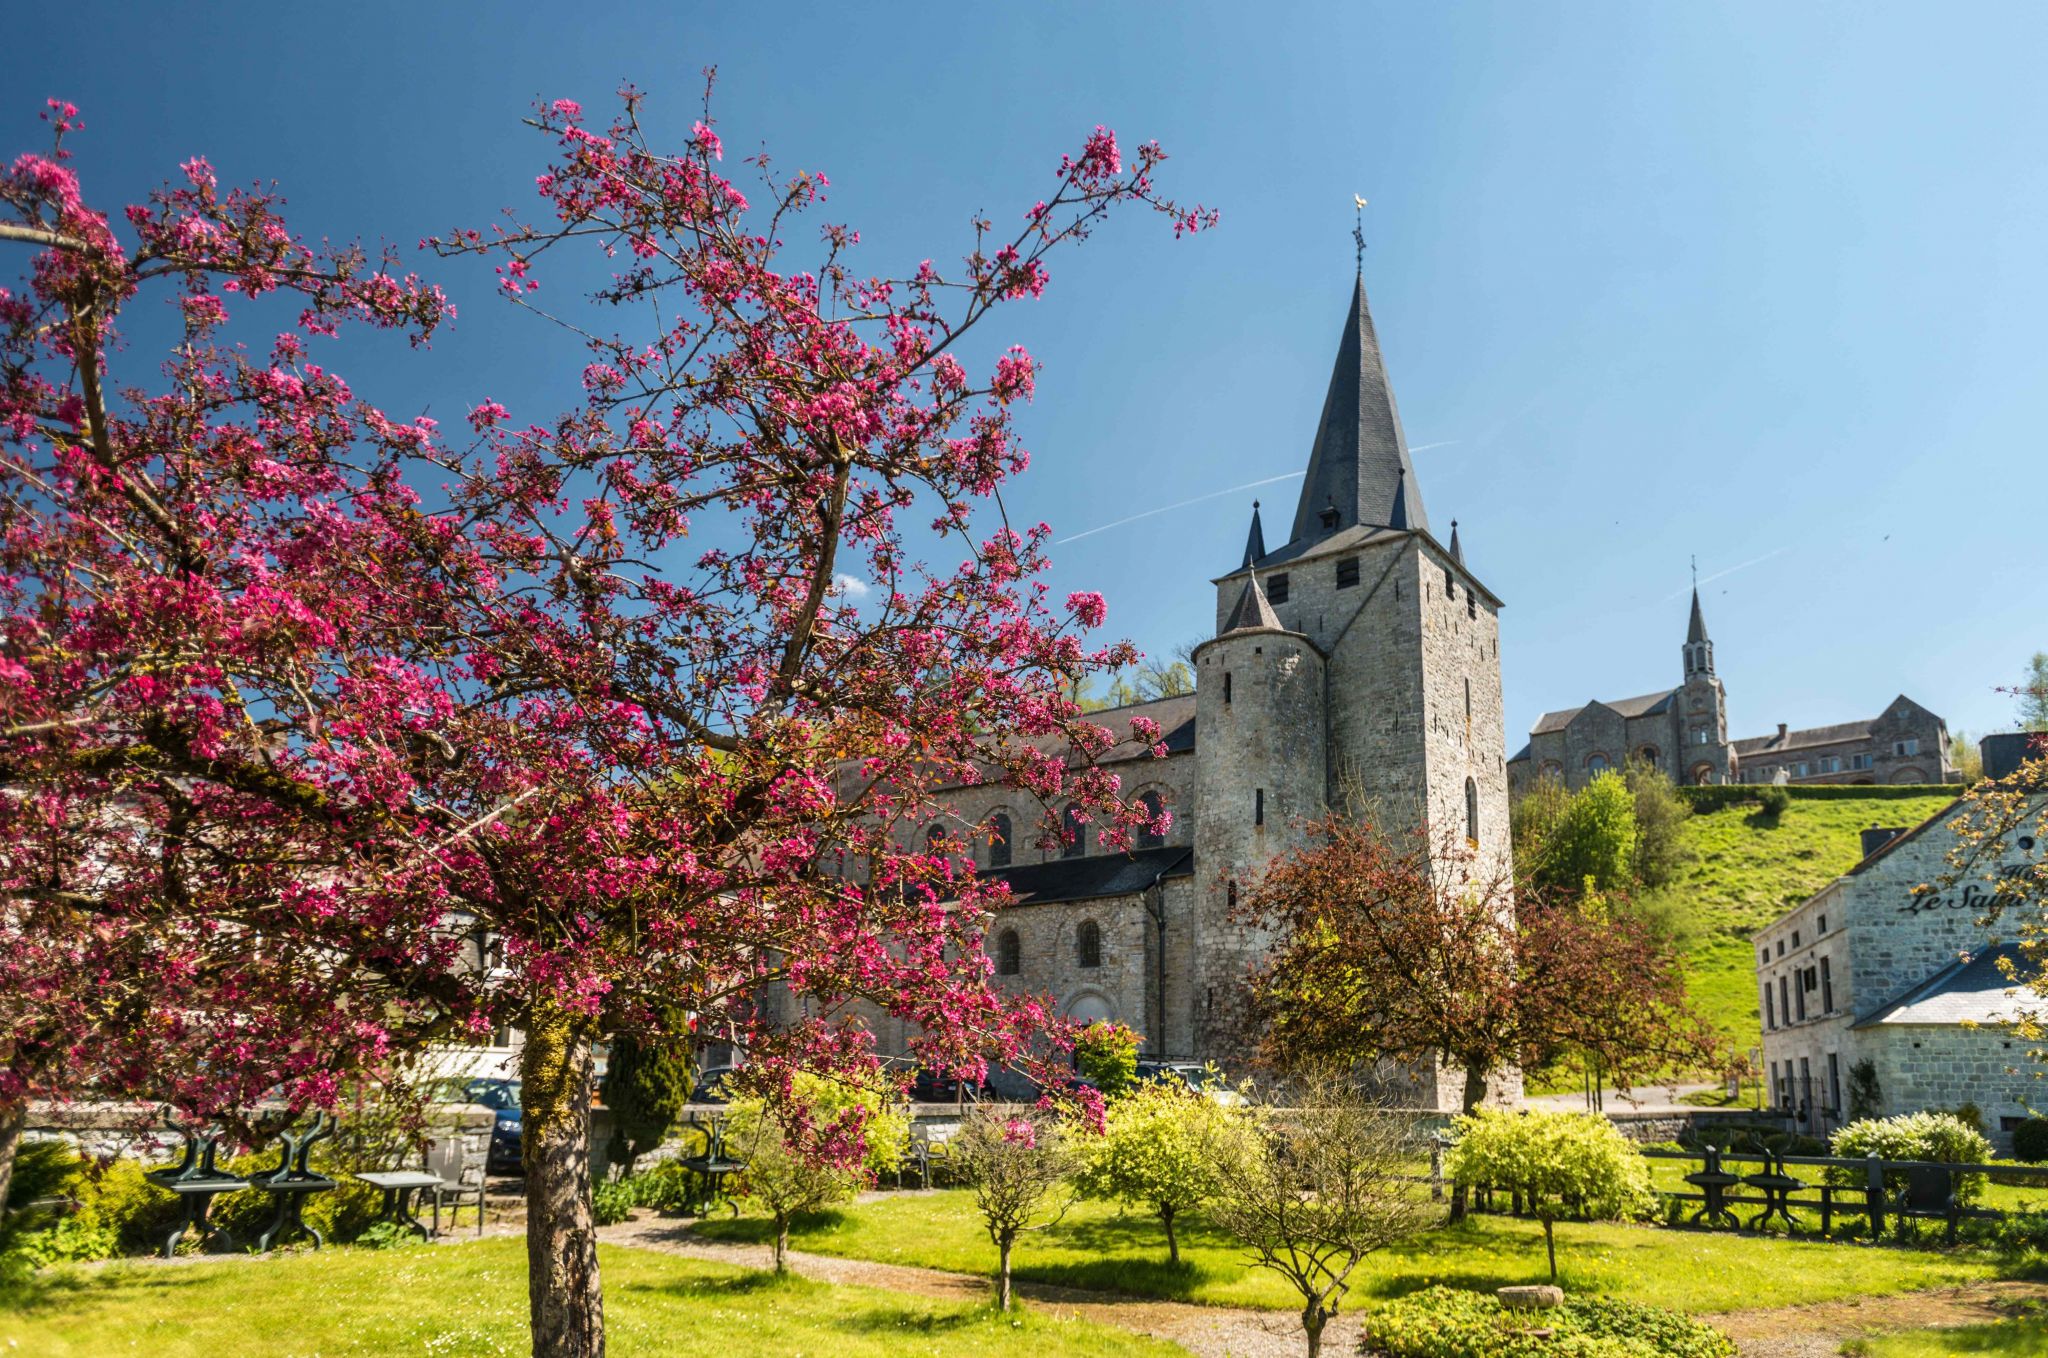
[
  {"x": 1457, "y": 550},
  {"x": 1255, "y": 541},
  {"x": 1252, "y": 610},
  {"x": 1358, "y": 468},
  {"x": 1696, "y": 630}
]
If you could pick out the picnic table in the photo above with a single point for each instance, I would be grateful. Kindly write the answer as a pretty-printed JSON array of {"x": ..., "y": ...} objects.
[
  {"x": 400, "y": 1186},
  {"x": 291, "y": 1182},
  {"x": 196, "y": 1180}
]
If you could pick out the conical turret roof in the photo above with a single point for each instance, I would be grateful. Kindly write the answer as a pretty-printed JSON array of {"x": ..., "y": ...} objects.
[
  {"x": 1252, "y": 611},
  {"x": 1359, "y": 470}
]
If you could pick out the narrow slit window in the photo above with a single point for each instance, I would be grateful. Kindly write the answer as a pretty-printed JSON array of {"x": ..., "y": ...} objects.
[{"x": 1259, "y": 806}]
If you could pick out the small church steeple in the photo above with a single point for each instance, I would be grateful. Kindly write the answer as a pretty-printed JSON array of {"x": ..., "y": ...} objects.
[
  {"x": 1358, "y": 466},
  {"x": 1457, "y": 549},
  {"x": 1699, "y": 651},
  {"x": 1255, "y": 541}
]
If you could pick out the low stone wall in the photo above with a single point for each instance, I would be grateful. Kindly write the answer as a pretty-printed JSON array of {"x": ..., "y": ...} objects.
[{"x": 109, "y": 1131}]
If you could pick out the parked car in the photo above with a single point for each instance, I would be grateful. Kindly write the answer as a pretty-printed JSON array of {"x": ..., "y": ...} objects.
[
  {"x": 938, "y": 1086},
  {"x": 502, "y": 1098}
]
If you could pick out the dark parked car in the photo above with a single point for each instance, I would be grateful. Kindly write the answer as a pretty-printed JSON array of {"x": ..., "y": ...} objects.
[
  {"x": 938, "y": 1086},
  {"x": 502, "y": 1098},
  {"x": 1192, "y": 1076}
]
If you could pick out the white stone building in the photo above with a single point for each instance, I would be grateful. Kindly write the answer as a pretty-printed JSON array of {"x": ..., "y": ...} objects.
[{"x": 1886, "y": 965}]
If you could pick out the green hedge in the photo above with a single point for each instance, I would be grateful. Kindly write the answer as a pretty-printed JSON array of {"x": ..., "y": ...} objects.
[{"x": 1714, "y": 796}]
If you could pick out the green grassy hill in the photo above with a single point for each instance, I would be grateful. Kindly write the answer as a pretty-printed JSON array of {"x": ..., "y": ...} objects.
[{"x": 1745, "y": 873}]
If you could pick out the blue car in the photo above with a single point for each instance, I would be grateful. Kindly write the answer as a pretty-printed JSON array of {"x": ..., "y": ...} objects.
[{"x": 502, "y": 1098}]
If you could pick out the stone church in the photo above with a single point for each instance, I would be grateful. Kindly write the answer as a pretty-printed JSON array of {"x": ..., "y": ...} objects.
[
  {"x": 1355, "y": 663},
  {"x": 1684, "y": 732}
]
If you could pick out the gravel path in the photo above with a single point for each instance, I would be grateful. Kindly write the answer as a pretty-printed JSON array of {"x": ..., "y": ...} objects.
[{"x": 1207, "y": 1331}]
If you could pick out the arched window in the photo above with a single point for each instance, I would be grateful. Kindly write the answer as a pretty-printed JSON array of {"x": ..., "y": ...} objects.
[
  {"x": 1648, "y": 755},
  {"x": 935, "y": 838},
  {"x": 1596, "y": 763},
  {"x": 1472, "y": 811},
  {"x": 1073, "y": 832},
  {"x": 999, "y": 840},
  {"x": 1009, "y": 954},
  {"x": 1088, "y": 944},
  {"x": 1150, "y": 838},
  {"x": 1551, "y": 769}
]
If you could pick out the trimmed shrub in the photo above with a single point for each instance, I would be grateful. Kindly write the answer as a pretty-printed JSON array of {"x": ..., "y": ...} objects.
[
  {"x": 1714, "y": 796},
  {"x": 2030, "y": 1141},
  {"x": 1772, "y": 801},
  {"x": 1914, "y": 1136},
  {"x": 1444, "y": 1322},
  {"x": 1160, "y": 1149}
]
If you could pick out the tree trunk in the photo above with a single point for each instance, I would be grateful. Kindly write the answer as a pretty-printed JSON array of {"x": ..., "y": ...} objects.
[
  {"x": 782, "y": 1244},
  {"x": 1550, "y": 1244},
  {"x": 1003, "y": 1274},
  {"x": 1313, "y": 1319},
  {"x": 11, "y": 1122},
  {"x": 1475, "y": 1094},
  {"x": 1172, "y": 1244},
  {"x": 564, "y": 1297}
]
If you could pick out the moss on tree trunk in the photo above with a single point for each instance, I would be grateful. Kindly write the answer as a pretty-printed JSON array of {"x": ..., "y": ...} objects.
[{"x": 565, "y": 1298}]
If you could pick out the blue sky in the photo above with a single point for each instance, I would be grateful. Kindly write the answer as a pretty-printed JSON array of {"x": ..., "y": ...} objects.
[{"x": 1764, "y": 284}]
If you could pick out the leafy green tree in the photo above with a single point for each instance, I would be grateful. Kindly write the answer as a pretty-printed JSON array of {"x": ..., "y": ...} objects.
[
  {"x": 2033, "y": 694},
  {"x": 796, "y": 1155},
  {"x": 1660, "y": 824},
  {"x": 1534, "y": 818},
  {"x": 1160, "y": 1149},
  {"x": 1593, "y": 843},
  {"x": 646, "y": 1083},
  {"x": 1964, "y": 754},
  {"x": 1107, "y": 1053},
  {"x": 1556, "y": 1161}
]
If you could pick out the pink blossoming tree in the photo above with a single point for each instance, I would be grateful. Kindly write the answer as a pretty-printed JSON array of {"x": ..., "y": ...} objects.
[{"x": 306, "y": 704}]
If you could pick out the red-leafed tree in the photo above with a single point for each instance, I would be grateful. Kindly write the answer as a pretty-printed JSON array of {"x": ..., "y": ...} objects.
[
  {"x": 1399, "y": 949},
  {"x": 323, "y": 700}
]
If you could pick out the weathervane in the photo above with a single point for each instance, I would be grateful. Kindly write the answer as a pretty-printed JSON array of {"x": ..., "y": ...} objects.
[
  {"x": 1358, "y": 231},
  {"x": 1695, "y": 573}
]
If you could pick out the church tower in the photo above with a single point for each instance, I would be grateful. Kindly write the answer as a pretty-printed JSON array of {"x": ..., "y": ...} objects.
[
  {"x": 1705, "y": 754},
  {"x": 1401, "y": 637}
]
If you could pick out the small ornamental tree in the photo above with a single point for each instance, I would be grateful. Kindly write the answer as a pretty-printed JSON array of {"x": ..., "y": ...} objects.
[
  {"x": 1576, "y": 1164},
  {"x": 1018, "y": 1164},
  {"x": 787, "y": 1173},
  {"x": 1161, "y": 1149},
  {"x": 1316, "y": 1186},
  {"x": 1107, "y": 1053},
  {"x": 646, "y": 1083},
  {"x": 1592, "y": 844},
  {"x": 306, "y": 708}
]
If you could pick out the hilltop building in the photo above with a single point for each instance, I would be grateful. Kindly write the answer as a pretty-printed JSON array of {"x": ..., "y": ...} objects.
[
  {"x": 1356, "y": 663},
  {"x": 1684, "y": 731}
]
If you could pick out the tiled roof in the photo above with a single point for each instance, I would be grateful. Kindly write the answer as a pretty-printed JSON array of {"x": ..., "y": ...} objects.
[
  {"x": 1253, "y": 612},
  {"x": 1099, "y": 875},
  {"x": 1642, "y": 705},
  {"x": 1973, "y": 989},
  {"x": 1842, "y": 732}
]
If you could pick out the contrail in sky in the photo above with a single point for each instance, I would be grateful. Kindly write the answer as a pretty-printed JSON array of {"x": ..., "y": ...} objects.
[
  {"x": 1249, "y": 485},
  {"x": 1425, "y": 447},
  {"x": 1709, "y": 579}
]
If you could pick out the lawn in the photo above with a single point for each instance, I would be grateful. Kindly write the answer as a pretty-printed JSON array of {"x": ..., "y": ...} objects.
[
  {"x": 1095, "y": 1247},
  {"x": 1745, "y": 873},
  {"x": 2026, "y": 1338},
  {"x": 470, "y": 1300}
]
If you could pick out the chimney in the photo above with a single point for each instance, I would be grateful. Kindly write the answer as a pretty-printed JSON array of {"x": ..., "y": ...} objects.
[
  {"x": 1876, "y": 837},
  {"x": 1781, "y": 733},
  {"x": 2005, "y": 752}
]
